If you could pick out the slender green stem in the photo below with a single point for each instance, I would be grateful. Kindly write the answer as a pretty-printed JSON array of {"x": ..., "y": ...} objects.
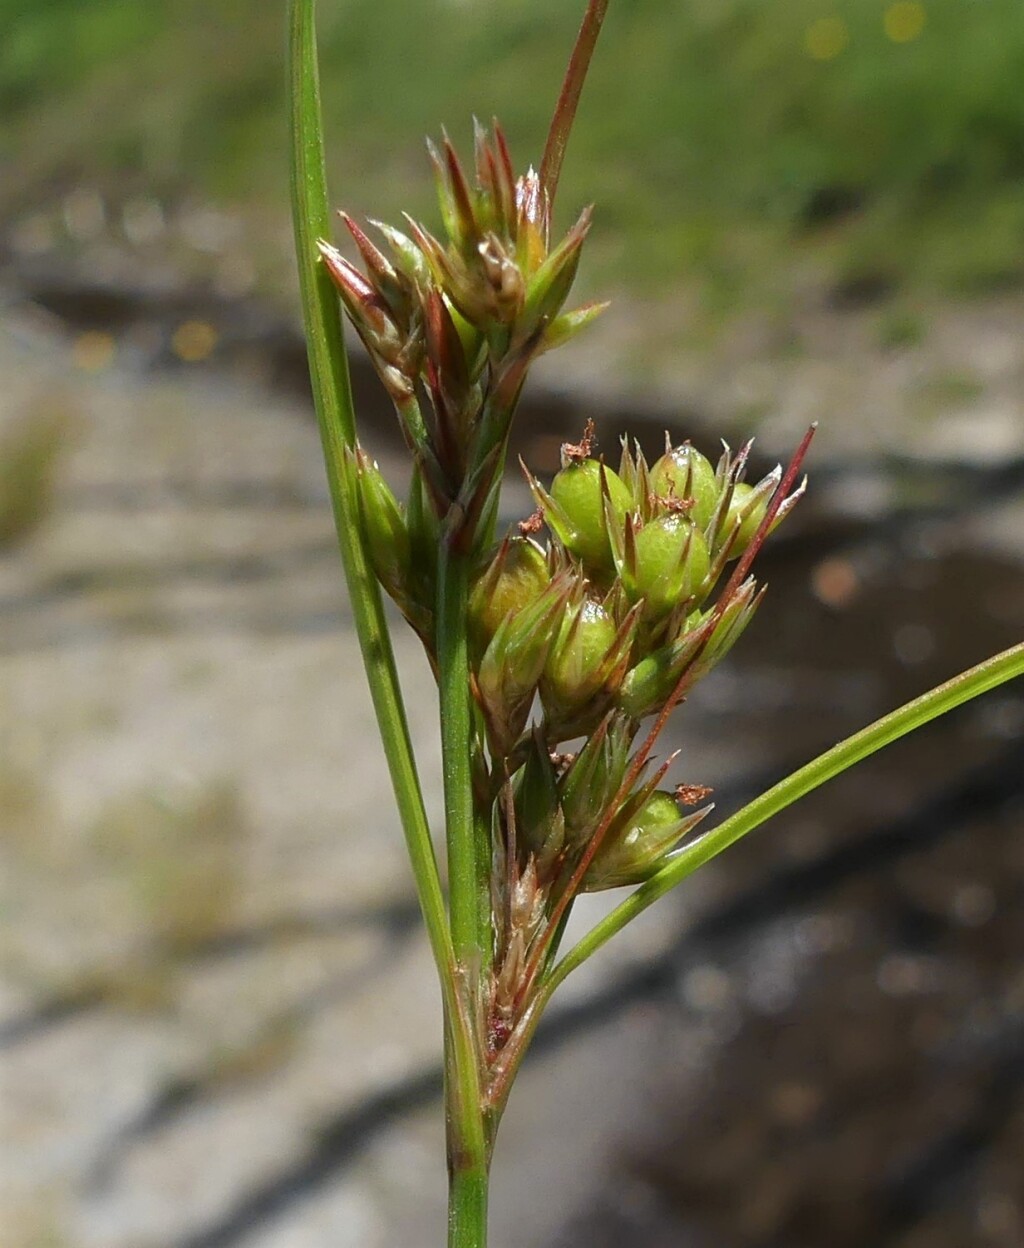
[
  {"x": 468, "y": 1138},
  {"x": 467, "y": 1200},
  {"x": 469, "y": 907},
  {"x": 962, "y": 688},
  {"x": 456, "y": 755},
  {"x": 332, "y": 395}
]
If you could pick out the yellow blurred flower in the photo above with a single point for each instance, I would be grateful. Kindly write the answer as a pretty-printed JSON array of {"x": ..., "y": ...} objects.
[
  {"x": 826, "y": 38},
  {"x": 194, "y": 341},
  {"x": 904, "y": 20}
]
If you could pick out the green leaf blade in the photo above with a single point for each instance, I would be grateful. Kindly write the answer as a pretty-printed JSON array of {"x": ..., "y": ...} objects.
[
  {"x": 890, "y": 728},
  {"x": 332, "y": 396}
]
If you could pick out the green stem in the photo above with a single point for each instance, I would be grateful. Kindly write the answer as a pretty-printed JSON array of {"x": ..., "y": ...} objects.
[
  {"x": 467, "y": 1133},
  {"x": 962, "y": 688},
  {"x": 467, "y": 1201},
  {"x": 328, "y": 367},
  {"x": 470, "y": 918},
  {"x": 469, "y": 906},
  {"x": 468, "y": 1136}
]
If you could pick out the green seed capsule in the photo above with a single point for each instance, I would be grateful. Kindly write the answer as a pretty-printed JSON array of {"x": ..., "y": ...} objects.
[
  {"x": 748, "y": 522},
  {"x": 577, "y": 491},
  {"x": 635, "y": 852},
  {"x": 647, "y": 685},
  {"x": 657, "y": 815},
  {"x": 514, "y": 581},
  {"x": 574, "y": 668},
  {"x": 387, "y": 538},
  {"x": 683, "y": 473},
  {"x": 512, "y": 663},
  {"x": 671, "y": 563}
]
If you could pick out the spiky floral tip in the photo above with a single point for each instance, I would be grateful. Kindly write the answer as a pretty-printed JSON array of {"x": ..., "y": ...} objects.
[{"x": 494, "y": 269}]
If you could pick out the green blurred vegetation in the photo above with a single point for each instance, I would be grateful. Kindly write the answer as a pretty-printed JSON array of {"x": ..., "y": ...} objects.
[
  {"x": 31, "y": 449},
  {"x": 751, "y": 144}
]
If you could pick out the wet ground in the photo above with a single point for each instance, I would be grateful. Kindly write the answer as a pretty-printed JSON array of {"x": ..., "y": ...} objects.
[{"x": 217, "y": 1018}]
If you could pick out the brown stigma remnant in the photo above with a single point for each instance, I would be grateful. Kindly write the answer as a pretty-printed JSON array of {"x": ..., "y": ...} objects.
[
  {"x": 575, "y": 452},
  {"x": 692, "y": 794}
]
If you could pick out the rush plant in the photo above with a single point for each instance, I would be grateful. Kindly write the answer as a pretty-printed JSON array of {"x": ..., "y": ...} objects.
[{"x": 560, "y": 648}]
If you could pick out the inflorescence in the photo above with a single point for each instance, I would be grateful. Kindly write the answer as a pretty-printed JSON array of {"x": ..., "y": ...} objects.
[{"x": 604, "y": 607}]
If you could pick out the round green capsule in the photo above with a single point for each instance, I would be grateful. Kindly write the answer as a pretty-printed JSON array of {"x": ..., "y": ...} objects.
[
  {"x": 572, "y": 673},
  {"x": 672, "y": 562},
  {"x": 658, "y": 816},
  {"x": 748, "y": 523},
  {"x": 514, "y": 582},
  {"x": 685, "y": 475},
  {"x": 637, "y": 851},
  {"x": 577, "y": 491}
]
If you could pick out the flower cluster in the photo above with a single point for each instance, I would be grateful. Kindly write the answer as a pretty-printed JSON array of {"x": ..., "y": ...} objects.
[
  {"x": 639, "y": 585},
  {"x": 458, "y": 322},
  {"x": 604, "y": 623}
]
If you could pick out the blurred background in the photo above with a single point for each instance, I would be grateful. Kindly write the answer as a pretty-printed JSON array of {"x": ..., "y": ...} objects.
[{"x": 218, "y": 1024}]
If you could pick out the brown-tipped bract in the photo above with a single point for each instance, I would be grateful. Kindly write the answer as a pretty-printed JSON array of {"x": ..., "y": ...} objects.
[{"x": 455, "y": 321}]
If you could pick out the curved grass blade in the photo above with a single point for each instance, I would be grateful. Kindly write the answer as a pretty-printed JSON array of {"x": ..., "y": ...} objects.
[{"x": 970, "y": 684}]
